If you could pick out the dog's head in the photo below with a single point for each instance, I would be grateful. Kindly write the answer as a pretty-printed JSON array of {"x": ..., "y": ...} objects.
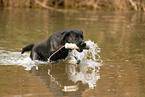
[{"x": 74, "y": 36}]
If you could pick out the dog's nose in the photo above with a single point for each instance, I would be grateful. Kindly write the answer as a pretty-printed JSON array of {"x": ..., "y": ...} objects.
[{"x": 83, "y": 44}]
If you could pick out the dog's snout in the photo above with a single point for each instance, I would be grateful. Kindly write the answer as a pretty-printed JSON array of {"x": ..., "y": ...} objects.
[{"x": 83, "y": 44}]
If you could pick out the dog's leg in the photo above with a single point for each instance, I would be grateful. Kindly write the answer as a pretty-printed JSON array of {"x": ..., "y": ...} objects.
[{"x": 34, "y": 55}]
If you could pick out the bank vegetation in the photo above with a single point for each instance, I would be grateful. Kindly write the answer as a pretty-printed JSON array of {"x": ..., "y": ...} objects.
[{"x": 117, "y": 5}]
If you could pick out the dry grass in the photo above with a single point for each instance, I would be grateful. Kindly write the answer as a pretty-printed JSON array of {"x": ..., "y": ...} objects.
[{"x": 117, "y": 5}]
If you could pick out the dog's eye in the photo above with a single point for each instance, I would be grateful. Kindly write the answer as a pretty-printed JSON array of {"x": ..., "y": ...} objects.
[{"x": 81, "y": 36}]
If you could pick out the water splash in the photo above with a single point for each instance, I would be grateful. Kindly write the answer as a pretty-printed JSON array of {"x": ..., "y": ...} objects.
[
  {"x": 89, "y": 66},
  {"x": 91, "y": 54},
  {"x": 16, "y": 58}
]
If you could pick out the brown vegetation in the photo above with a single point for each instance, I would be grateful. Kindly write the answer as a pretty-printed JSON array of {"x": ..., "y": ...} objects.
[{"x": 118, "y": 5}]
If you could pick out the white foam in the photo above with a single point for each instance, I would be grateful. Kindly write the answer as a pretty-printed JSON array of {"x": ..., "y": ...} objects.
[
  {"x": 90, "y": 54},
  {"x": 16, "y": 58},
  {"x": 89, "y": 66}
]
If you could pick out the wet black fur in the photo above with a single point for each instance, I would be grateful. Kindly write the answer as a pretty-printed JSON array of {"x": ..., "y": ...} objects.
[{"x": 43, "y": 50}]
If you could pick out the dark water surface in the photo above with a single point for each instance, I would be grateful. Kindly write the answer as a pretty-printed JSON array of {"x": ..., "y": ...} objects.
[{"x": 120, "y": 37}]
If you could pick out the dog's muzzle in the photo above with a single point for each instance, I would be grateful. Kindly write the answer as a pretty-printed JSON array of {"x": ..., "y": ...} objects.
[{"x": 81, "y": 45}]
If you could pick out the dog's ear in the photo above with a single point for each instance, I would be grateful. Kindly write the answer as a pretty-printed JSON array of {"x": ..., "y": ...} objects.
[
  {"x": 81, "y": 32},
  {"x": 64, "y": 36}
]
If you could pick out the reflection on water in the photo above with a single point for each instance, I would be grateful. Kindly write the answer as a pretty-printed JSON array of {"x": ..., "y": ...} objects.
[
  {"x": 62, "y": 78},
  {"x": 120, "y": 36},
  {"x": 66, "y": 79},
  {"x": 87, "y": 73}
]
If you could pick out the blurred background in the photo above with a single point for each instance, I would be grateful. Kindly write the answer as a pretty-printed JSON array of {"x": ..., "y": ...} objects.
[
  {"x": 117, "y": 5},
  {"x": 116, "y": 29}
]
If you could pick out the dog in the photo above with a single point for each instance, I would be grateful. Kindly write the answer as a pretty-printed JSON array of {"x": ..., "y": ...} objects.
[{"x": 49, "y": 48}]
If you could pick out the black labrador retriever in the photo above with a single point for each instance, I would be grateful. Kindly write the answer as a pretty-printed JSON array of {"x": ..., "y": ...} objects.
[{"x": 47, "y": 49}]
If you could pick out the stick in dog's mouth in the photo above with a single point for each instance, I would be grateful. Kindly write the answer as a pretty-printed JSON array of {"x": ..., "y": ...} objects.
[{"x": 74, "y": 46}]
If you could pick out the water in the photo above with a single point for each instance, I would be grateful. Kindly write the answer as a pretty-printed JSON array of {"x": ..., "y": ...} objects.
[
  {"x": 114, "y": 64},
  {"x": 16, "y": 58}
]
